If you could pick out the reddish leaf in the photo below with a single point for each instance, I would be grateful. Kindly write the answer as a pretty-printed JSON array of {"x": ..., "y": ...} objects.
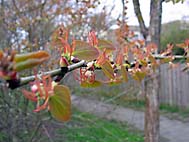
[
  {"x": 60, "y": 37},
  {"x": 151, "y": 47},
  {"x": 153, "y": 62},
  {"x": 30, "y": 95},
  {"x": 63, "y": 62},
  {"x": 107, "y": 69},
  {"x": 105, "y": 44},
  {"x": 119, "y": 59},
  {"x": 181, "y": 45},
  {"x": 60, "y": 103},
  {"x": 34, "y": 55},
  {"x": 92, "y": 38},
  {"x": 84, "y": 51},
  {"x": 90, "y": 85},
  {"x": 102, "y": 58},
  {"x": 1, "y": 54},
  {"x": 29, "y": 60},
  {"x": 30, "y": 63}
]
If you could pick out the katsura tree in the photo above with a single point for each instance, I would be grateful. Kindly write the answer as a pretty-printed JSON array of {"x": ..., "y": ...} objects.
[
  {"x": 27, "y": 26},
  {"x": 85, "y": 58},
  {"x": 152, "y": 34}
]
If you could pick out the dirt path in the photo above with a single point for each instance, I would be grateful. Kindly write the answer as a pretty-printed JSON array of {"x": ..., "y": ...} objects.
[{"x": 172, "y": 130}]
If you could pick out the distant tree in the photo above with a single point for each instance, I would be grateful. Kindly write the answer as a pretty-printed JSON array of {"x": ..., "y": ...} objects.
[
  {"x": 174, "y": 32},
  {"x": 29, "y": 23}
]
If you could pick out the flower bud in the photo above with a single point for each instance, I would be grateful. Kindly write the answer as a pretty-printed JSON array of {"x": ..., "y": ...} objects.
[
  {"x": 63, "y": 62},
  {"x": 34, "y": 88}
]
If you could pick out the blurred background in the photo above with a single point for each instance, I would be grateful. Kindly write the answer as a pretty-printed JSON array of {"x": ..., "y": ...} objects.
[{"x": 28, "y": 25}]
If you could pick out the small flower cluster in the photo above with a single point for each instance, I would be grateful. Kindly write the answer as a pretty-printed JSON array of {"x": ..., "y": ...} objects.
[
  {"x": 41, "y": 90},
  {"x": 7, "y": 71}
]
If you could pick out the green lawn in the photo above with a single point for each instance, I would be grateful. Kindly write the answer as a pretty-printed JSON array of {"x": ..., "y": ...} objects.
[
  {"x": 87, "y": 128},
  {"x": 129, "y": 99}
]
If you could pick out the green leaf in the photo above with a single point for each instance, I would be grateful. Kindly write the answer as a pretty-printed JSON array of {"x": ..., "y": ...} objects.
[
  {"x": 165, "y": 60},
  {"x": 29, "y": 60},
  {"x": 105, "y": 44},
  {"x": 28, "y": 64},
  {"x": 84, "y": 51},
  {"x": 139, "y": 76},
  {"x": 90, "y": 85},
  {"x": 187, "y": 60},
  {"x": 60, "y": 103},
  {"x": 107, "y": 69},
  {"x": 33, "y": 55},
  {"x": 124, "y": 73},
  {"x": 114, "y": 82},
  {"x": 175, "y": 1},
  {"x": 144, "y": 63}
]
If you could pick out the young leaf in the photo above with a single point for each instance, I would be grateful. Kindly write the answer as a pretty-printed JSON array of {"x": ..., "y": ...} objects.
[
  {"x": 60, "y": 103},
  {"x": 119, "y": 59},
  {"x": 90, "y": 85},
  {"x": 1, "y": 54},
  {"x": 29, "y": 60},
  {"x": 30, "y": 63},
  {"x": 107, "y": 69},
  {"x": 166, "y": 60},
  {"x": 113, "y": 82},
  {"x": 124, "y": 73},
  {"x": 104, "y": 44},
  {"x": 34, "y": 55},
  {"x": 139, "y": 76},
  {"x": 84, "y": 51}
]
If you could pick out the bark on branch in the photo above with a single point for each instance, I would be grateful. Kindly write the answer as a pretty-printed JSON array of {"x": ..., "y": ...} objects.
[
  {"x": 61, "y": 71},
  {"x": 143, "y": 28},
  {"x": 12, "y": 84}
]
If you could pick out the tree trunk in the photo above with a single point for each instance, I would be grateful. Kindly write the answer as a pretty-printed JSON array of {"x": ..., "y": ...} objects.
[
  {"x": 152, "y": 109},
  {"x": 151, "y": 85},
  {"x": 143, "y": 28},
  {"x": 155, "y": 22}
]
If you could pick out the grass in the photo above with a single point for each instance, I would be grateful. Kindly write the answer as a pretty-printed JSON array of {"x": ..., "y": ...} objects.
[
  {"x": 175, "y": 111},
  {"x": 83, "y": 127},
  {"x": 87, "y": 128},
  {"x": 131, "y": 100}
]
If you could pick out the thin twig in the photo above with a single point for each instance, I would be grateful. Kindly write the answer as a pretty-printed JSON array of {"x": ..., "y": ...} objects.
[
  {"x": 119, "y": 95},
  {"x": 48, "y": 135},
  {"x": 35, "y": 131}
]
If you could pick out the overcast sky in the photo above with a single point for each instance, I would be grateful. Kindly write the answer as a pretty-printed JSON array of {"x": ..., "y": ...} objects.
[{"x": 171, "y": 12}]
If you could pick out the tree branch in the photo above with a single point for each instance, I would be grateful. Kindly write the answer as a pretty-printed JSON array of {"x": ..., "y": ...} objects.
[
  {"x": 179, "y": 57},
  {"x": 143, "y": 28},
  {"x": 12, "y": 84},
  {"x": 61, "y": 71}
]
